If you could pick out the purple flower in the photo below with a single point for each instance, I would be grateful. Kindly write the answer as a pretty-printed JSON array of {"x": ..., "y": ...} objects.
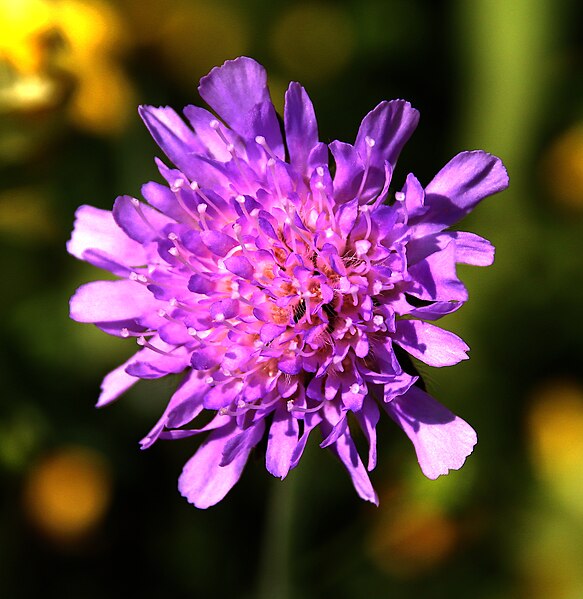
[{"x": 287, "y": 291}]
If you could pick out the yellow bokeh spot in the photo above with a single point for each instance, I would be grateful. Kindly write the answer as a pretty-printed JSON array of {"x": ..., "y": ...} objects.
[
  {"x": 563, "y": 168},
  {"x": 555, "y": 426},
  {"x": 67, "y": 493},
  {"x": 313, "y": 41},
  {"x": 23, "y": 26},
  {"x": 65, "y": 54}
]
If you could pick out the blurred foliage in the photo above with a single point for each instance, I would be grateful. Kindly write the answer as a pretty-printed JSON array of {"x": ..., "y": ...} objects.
[{"x": 84, "y": 513}]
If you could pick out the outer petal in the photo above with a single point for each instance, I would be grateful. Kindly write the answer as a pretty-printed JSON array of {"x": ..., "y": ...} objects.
[
  {"x": 236, "y": 91},
  {"x": 389, "y": 125},
  {"x": 203, "y": 482},
  {"x": 441, "y": 439},
  {"x": 108, "y": 301},
  {"x": 96, "y": 234},
  {"x": 301, "y": 128},
  {"x": 468, "y": 248},
  {"x": 281, "y": 442},
  {"x": 345, "y": 449},
  {"x": 184, "y": 405},
  {"x": 172, "y": 134},
  {"x": 142, "y": 230},
  {"x": 435, "y": 277},
  {"x": 456, "y": 189},
  {"x": 429, "y": 343},
  {"x": 116, "y": 383}
]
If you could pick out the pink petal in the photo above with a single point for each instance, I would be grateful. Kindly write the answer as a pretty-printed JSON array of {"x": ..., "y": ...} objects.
[
  {"x": 429, "y": 343},
  {"x": 203, "y": 482},
  {"x": 441, "y": 439},
  {"x": 108, "y": 301}
]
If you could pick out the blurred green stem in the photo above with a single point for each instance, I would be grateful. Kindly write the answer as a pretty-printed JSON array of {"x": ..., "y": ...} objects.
[{"x": 274, "y": 573}]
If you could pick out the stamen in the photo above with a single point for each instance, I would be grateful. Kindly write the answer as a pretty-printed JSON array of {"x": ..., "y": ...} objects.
[
  {"x": 143, "y": 342},
  {"x": 370, "y": 143},
  {"x": 196, "y": 188},
  {"x": 291, "y": 407},
  {"x": 137, "y": 205},
  {"x": 263, "y": 143}
]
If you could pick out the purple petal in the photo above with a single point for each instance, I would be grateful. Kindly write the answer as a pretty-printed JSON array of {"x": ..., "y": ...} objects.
[
  {"x": 141, "y": 229},
  {"x": 210, "y": 140},
  {"x": 223, "y": 394},
  {"x": 281, "y": 442},
  {"x": 116, "y": 383},
  {"x": 163, "y": 199},
  {"x": 243, "y": 442},
  {"x": 185, "y": 404},
  {"x": 172, "y": 134},
  {"x": 203, "y": 482},
  {"x": 240, "y": 266},
  {"x": 368, "y": 418},
  {"x": 349, "y": 170},
  {"x": 441, "y": 439},
  {"x": 429, "y": 343},
  {"x": 236, "y": 91},
  {"x": 345, "y": 449},
  {"x": 456, "y": 189},
  {"x": 389, "y": 125},
  {"x": 468, "y": 248},
  {"x": 218, "y": 243},
  {"x": 301, "y": 128},
  {"x": 108, "y": 301},
  {"x": 435, "y": 278}
]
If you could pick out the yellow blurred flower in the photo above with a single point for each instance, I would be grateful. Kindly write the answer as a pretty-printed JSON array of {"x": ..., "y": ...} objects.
[
  {"x": 563, "y": 168},
  {"x": 65, "y": 52},
  {"x": 555, "y": 426},
  {"x": 67, "y": 493}
]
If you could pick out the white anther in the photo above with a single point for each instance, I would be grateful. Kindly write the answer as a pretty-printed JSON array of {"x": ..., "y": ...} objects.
[
  {"x": 173, "y": 302},
  {"x": 329, "y": 233},
  {"x": 173, "y": 251},
  {"x": 194, "y": 186},
  {"x": 172, "y": 236},
  {"x": 192, "y": 331},
  {"x": 319, "y": 185},
  {"x": 362, "y": 246},
  {"x": 354, "y": 388},
  {"x": 399, "y": 196},
  {"x": 162, "y": 313},
  {"x": 290, "y": 405},
  {"x": 370, "y": 142},
  {"x": 141, "y": 341},
  {"x": 378, "y": 320},
  {"x": 260, "y": 140},
  {"x": 214, "y": 124},
  {"x": 241, "y": 404},
  {"x": 209, "y": 380},
  {"x": 293, "y": 345},
  {"x": 201, "y": 208},
  {"x": 135, "y": 202},
  {"x": 124, "y": 332},
  {"x": 240, "y": 199},
  {"x": 220, "y": 317},
  {"x": 377, "y": 287},
  {"x": 231, "y": 148},
  {"x": 177, "y": 184},
  {"x": 271, "y": 163}
]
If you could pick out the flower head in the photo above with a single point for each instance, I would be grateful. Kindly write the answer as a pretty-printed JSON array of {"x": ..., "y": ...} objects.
[{"x": 289, "y": 293}]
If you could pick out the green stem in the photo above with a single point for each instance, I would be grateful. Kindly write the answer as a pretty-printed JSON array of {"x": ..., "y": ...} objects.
[{"x": 274, "y": 574}]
